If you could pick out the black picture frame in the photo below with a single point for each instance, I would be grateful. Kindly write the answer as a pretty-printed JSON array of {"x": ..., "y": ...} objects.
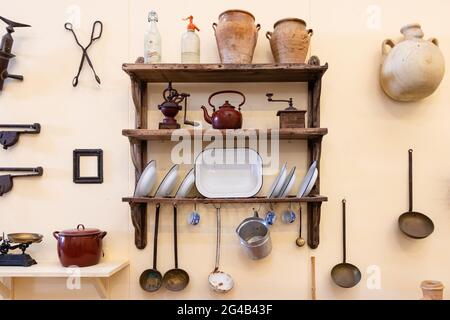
[{"x": 77, "y": 154}]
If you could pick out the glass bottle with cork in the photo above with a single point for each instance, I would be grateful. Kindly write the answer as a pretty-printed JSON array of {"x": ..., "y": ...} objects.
[{"x": 152, "y": 44}]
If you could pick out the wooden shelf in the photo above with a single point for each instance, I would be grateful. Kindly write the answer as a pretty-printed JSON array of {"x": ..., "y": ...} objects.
[
  {"x": 166, "y": 72},
  {"x": 222, "y": 200},
  {"x": 166, "y": 134},
  {"x": 99, "y": 275}
]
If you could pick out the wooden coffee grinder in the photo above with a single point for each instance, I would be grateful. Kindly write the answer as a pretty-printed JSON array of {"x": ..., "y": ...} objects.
[{"x": 290, "y": 117}]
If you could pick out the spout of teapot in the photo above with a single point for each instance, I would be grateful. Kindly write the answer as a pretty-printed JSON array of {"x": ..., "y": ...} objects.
[{"x": 206, "y": 115}]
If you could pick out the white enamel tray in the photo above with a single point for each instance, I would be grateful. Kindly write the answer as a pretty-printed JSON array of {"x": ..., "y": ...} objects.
[
  {"x": 228, "y": 173},
  {"x": 186, "y": 186},
  {"x": 308, "y": 181},
  {"x": 168, "y": 183},
  {"x": 278, "y": 183},
  {"x": 146, "y": 181}
]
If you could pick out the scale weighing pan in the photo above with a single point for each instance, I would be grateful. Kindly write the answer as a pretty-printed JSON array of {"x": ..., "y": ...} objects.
[{"x": 25, "y": 237}]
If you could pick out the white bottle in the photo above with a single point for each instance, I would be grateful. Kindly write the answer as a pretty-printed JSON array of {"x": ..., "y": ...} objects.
[
  {"x": 190, "y": 44},
  {"x": 152, "y": 45}
]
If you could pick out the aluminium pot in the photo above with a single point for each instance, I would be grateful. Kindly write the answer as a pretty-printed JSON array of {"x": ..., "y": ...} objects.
[
  {"x": 80, "y": 247},
  {"x": 254, "y": 236}
]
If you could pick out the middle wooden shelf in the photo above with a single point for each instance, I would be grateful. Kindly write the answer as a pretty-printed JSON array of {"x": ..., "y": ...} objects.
[
  {"x": 283, "y": 134},
  {"x": 150, "y": 200}
]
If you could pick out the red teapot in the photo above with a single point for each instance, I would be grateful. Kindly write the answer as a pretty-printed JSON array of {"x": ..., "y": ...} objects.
[{"x": 227, "y": 117}]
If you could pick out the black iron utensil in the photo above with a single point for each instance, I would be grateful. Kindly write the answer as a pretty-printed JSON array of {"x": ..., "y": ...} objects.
[
  {"x": 94, "y": 36},
  {"x": 345, "y": 275},
  {"x": 151, "y": 279},
  {"x": 412, "y": 223},
  {"x": 10, "y": 138},
  {"x": 6, "y": 45},
  {"x": 175, "y": 279},
  {"x": 6, "y": 181}
]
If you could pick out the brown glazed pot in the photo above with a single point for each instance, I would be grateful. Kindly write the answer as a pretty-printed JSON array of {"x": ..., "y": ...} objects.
[
  {"x": 236, "y": 36},
  {"x": 289, "y": 40},
  {"x": 432, "y": 290},
  {"x": 79, "y": 247}
]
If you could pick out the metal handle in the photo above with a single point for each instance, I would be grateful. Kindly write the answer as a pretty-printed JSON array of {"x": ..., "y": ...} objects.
[
  {"x": 80, "y": 226},
  {"x": 175, "y": 236},
  {"x": 219, "y": 231},
  {"x": 214, "y": 26},
  {"x": 226, "y": 91},
  {"x": 410, "y": 178},
  {"x": 344, "y": 231},
  {"x": 38, "y": 171},
  {"x": 269, "y": 35},
  {"x": 155, "y": 236},
  {"x": 56, "y": 235}
]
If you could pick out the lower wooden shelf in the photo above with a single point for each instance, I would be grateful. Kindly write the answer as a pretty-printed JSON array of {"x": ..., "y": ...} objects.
[
  {"x": 99, "y": 275},
  {"x": 150, "y": 200}
]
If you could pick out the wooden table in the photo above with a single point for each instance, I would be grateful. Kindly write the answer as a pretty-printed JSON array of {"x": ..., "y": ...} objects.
[{"x": 98, "y": 275}]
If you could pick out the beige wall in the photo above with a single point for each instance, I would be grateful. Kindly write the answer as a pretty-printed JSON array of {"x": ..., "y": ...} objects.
[{"x": 364, "y": 155}]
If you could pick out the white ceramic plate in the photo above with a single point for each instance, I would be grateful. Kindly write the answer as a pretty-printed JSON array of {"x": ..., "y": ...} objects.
[
  {"x": 278, "y": 183},
  {"x": 228, "y": 173},
  {"x": 311, "y": 183},
  {"x": 168, "y": 183},
  {"x": 147, "y": 180},
  {"x": 307, "y": 180},
  {"x": 186, "y": 186},
  {"x": 290, "y": 179}
]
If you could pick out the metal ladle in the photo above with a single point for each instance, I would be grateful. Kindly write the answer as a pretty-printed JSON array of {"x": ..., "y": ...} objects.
[
  {"x": 300, "y": 242},
  {"x": 219, "y": 280},
  {"x": 151, "y": 279},
  {"x": 175, "y": 279},
  {"x": 414, "y": 224},
  {"x": 345, "y": 275}
]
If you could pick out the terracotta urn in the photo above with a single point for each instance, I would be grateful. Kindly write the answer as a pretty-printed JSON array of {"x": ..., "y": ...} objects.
[
  {"x": 413, "y": 68},
  {"x": 289, "y": 40},
  {"x": 236, "y": 36},
  {"x": 432, "y": 290}
]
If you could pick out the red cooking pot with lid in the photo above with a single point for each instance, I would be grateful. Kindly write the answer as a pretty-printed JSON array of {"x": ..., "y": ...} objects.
[{"x": 80, "y": 247}]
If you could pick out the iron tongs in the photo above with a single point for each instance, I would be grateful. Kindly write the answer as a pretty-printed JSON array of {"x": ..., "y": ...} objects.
[{"x": 68, "y": 26}]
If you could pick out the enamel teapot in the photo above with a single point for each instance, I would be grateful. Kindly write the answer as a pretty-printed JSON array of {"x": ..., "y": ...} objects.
[{"x": 227, "y": 117}]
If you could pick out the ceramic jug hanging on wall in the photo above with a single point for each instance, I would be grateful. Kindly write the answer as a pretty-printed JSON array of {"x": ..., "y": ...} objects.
[
  {"x": 413, "y": 68},
  {"x": 236, "y": 35}
]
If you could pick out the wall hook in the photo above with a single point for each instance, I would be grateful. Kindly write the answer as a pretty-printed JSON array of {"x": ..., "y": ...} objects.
[
  {"x": 6, "y": 181},
  {"x": 10, "y": 137}
]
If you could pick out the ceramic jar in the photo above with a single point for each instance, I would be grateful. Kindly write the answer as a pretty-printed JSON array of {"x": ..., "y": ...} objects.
[
  {"x": 432, "y": 290},
  {"x": 80, "y": 247},
  {"x": 413, "y": 68},
  {"x": 289, "y": 40},
  {"x": 236, "y": 36}
]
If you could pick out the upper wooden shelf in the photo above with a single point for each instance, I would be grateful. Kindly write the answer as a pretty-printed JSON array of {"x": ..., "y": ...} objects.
[
  {"x": 166, "y": 134},
  {"x": 269, "y": 72}
]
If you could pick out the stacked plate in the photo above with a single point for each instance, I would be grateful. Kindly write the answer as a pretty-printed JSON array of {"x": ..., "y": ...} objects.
[
  {"x": 283, "y": 183},
  {"x": 148, "y": 179}
]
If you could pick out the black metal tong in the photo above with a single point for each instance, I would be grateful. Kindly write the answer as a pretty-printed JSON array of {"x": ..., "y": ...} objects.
[{"x": 85, "y": 55}]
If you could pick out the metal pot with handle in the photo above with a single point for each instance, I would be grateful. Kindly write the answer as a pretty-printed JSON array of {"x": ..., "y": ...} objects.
[{"x": 254, "y": 236}]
